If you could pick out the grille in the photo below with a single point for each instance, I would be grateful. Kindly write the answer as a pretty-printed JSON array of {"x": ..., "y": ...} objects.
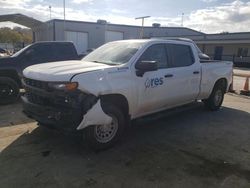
[
  {"x": 36, "y": 99},
  {"x": 56, "y": 101},
  {"x": 41, "y": 100},
  {"x": 36, "y": 83}
]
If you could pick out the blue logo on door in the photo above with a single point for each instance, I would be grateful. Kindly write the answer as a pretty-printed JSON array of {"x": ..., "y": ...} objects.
[{"x": 153, "y": 82}]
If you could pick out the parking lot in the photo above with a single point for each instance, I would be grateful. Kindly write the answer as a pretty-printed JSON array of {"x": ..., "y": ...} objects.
[
  {"x": 190, "y": 147},
  {"x": 239, "y": 82}
]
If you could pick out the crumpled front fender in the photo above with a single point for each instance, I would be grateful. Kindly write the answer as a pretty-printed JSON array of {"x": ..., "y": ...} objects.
[
  {"x": 95, "y": 116},
  {"x": 93, "y": 83}
]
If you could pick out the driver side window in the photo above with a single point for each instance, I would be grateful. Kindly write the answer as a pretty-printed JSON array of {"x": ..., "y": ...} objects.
[
  {"x": 156, "y": 52},
  {"x": 39, "y": 54}
]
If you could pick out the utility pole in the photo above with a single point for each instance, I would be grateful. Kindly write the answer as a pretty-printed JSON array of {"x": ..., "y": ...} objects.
[
  {"x": 50, "y": 12},
  {"x": 182, "y": 19},
  {"x": 64, "y": 19},
  {"x": 64, "y": 10},
  {"x": 142, "y": 27}
]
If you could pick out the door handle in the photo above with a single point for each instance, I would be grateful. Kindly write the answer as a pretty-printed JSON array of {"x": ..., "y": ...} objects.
[
  {"x": 196, "y": 72},
  {"x": 168, "y": 75}
]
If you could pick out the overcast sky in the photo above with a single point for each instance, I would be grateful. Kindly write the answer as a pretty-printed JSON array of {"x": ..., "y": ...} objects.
[{"x": 209, "y": 16}]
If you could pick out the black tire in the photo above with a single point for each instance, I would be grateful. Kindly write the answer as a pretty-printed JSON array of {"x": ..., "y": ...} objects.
[
  {"x": 9, "y": 90},
  {"x": 216, "y": 98},
  {"x": 95, "y": 139}
]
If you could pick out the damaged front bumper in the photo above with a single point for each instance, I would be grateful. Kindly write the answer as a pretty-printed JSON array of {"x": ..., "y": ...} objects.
[
  {"x": 56, "y": 109},
  {"x": 53, "y": 117}
]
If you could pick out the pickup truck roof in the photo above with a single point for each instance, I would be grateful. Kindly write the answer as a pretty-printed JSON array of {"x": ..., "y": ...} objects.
[
  {"x": 202, "y": 55},
  {"x": 52, "y": 42}
]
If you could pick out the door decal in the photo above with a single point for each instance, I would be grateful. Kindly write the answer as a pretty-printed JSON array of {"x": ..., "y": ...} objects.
[{"x": 153, "y": 82}]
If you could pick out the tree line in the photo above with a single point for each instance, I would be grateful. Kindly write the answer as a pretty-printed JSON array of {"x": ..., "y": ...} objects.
[{"x": 15, "y": 35}]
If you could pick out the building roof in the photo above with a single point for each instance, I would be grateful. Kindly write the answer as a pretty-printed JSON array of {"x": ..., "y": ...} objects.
[
  {"x": 133, "y": 26},
  {"x": 219, "y": 38},
  {"x": 21, "y": 19},
  {"x": 226, "y": 38}
]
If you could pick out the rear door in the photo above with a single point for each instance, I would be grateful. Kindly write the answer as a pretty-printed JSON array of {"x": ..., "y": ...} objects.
[{"x": 182, "y": 78}]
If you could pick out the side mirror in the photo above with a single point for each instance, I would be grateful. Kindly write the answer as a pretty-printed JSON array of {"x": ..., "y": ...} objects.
[{"x": 145, "y": 66}]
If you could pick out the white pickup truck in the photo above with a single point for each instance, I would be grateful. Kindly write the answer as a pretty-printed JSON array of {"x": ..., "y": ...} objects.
[{"x": 121, "y": 81}]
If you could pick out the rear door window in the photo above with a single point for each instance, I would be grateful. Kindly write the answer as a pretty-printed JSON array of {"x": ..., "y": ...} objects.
[
  {"x": 65, "y": 51},
  {"x": 180, "y": 55}
]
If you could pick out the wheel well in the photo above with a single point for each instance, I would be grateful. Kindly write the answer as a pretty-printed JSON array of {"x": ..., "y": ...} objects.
[
  {"x": 223, "y": 82},
  {"x": 11, "y": 74},
  {"x": 117, "y": 99}
]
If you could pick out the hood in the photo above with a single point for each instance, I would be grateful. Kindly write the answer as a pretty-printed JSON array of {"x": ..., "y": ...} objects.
[
  {"x": 6, "y": 59},
  {"x": 61, "y": 71}
]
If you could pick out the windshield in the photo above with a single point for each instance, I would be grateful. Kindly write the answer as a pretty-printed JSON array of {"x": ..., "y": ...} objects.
[
  {"x": 114, "y": 53},
  {"x": 20, "y": 51}
]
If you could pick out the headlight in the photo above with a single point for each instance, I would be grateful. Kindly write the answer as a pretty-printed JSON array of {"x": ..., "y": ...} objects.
[{"x": 64, "y": 86}]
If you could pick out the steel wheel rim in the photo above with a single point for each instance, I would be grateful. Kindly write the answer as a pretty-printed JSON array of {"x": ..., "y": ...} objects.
[
  {"x": 6, "y": 91},
  {"x": 218, "y": 97},
  {"x": 105, "y": 133}
]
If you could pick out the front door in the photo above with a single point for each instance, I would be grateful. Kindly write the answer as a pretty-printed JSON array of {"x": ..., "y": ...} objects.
[
  {"x": 151, "y": 88},
  {"x": 40, "y": 53}
]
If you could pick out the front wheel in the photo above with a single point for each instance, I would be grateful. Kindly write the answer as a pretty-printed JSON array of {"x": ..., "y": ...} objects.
[
  {"x": 216, "y": 98},
  {"x": 9, "y": 90},
  {"x": 100, "y": 137}
]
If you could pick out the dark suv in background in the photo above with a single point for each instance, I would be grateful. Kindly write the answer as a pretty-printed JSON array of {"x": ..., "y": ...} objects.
[{"x": 11, "y": 68}]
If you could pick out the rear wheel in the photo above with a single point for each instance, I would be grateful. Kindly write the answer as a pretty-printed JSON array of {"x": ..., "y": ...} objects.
[
  {"x": 9, "y": 90},
  {"x": 216, "y": 98},
  {"x": 101, "y": 137}
]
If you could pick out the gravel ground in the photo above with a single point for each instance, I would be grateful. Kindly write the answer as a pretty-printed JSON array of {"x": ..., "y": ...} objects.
[{"x": 188, "y": 148}]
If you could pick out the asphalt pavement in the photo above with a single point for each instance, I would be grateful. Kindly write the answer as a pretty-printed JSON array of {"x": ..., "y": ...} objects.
[{"x": 188, "y": 148}]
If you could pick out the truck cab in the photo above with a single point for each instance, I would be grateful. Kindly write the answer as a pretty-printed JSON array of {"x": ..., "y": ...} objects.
[
  {"x": 119, "y": 82},
  {"x": 11, "y": 68}
]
